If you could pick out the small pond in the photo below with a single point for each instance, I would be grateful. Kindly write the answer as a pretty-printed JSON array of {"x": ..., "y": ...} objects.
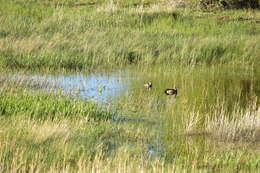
[{"x": 99, "y": 88}]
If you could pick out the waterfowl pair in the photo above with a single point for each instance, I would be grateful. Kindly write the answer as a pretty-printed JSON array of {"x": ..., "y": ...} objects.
[{"x": 168, "y": 91}]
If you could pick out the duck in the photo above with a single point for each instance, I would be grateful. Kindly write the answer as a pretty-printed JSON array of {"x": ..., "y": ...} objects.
[
  {"x": 148, "y": 85},
  {"x": 172, "y": 91}
]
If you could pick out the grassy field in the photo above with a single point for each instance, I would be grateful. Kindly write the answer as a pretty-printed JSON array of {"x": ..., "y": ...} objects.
[
  {"x": 39, "y": 35},
  {"x": 212, "y": 55}
]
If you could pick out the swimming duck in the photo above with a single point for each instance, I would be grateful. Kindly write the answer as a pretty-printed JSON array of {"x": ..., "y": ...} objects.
[
  {"x": 148, "y": 85},
  {"x": 172, "y": 91}
]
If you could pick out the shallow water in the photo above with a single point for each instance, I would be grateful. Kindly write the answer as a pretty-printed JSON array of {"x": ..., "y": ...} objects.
[
  {"x": 99, "y": 88},
  {"x": 194, "y": 84},
  {"x": 202, "y": 90}
]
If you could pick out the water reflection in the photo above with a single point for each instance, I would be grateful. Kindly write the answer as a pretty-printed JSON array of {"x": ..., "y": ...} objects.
[{"x": 97, "y": 87}]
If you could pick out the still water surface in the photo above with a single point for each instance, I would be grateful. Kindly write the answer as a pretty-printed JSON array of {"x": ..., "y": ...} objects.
[{"x": 99, "y": 88}]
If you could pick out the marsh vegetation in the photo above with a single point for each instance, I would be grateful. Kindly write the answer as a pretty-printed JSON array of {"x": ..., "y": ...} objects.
[{"x": 72, "y": 95}]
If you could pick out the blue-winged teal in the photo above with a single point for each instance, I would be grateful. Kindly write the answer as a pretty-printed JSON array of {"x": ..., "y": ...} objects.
[
  {"x": 172, "y": 91},
  {"x": 148, "y": 85}
]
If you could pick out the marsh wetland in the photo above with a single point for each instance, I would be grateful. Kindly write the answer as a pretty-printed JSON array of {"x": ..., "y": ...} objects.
[{"x": 72, "y": 95}]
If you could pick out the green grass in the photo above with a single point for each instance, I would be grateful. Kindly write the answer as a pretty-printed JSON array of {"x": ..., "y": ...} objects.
[
  {"x": 212, "y": 55},
  {"x": 34, "y": 36},
  {"x": 43, "y": 106}
]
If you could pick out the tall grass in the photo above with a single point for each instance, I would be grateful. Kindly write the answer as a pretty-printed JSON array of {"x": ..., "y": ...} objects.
[
  {"x": 212, "y": 56},
  {"x": 34, "y": 36},
  {"x": 242, "y": 125},
  {"x": 216, "y": 111}
]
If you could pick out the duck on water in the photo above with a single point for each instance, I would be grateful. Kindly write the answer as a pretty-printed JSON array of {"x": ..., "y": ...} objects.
[
  {"x": 171, "y": 91},
  {"x": 148, "y": 85}
]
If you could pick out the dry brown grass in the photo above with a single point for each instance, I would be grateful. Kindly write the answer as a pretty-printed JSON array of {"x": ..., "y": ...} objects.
[
  {"x": 238, "y": 125},
  {"x": 242, "y": 126}
]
